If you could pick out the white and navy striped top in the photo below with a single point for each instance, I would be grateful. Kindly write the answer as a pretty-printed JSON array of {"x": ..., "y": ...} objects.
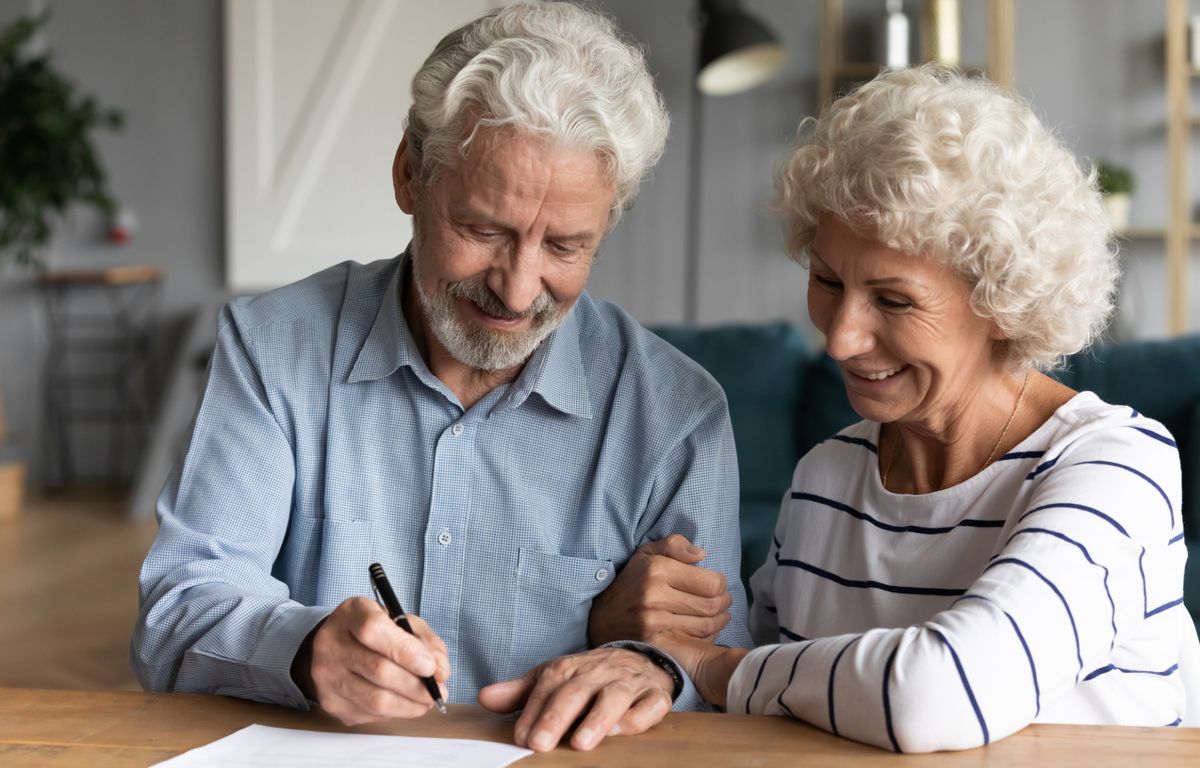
[{"x": 1046, "y": 588}]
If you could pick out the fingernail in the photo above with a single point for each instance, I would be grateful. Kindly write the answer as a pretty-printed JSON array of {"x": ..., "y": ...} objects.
[
  {"x": 425, "y": 666},
  {"x": 616, "y": 730},
  {"x": 585, "y": 737},
  {"x": 540, "y": 741},
  {"x": 694, "y": 549}
]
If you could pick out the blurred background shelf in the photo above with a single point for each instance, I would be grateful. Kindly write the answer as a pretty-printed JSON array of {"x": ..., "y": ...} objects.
[{"x": 1151, "y": 233}]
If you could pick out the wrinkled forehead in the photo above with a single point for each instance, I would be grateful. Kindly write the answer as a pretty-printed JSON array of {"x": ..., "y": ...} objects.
[{"x": 484, "y": 145}]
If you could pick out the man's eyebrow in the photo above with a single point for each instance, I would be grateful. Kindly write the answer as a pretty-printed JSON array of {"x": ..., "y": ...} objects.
[{"x": 577, "y": 237}]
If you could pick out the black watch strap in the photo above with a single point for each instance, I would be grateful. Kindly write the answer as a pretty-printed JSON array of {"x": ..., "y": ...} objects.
[{"x": 662, "y": 661}]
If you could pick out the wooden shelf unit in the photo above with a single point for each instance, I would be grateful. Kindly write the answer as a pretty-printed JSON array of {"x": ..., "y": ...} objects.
[
  {"x": 834, "y": 70},
  {"x": 1180, "y": 227},
  {"x": 1153, "y": 233}
]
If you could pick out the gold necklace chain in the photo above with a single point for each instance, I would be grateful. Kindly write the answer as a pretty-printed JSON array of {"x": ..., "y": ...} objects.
[
  {"x": 892, "y": 460},
  {"x": 991, "y": 456},
  {"x": 1011, "y": 417}
]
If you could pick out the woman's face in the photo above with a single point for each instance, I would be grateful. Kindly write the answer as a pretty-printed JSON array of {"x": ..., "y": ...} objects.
[{"x": 900, "y": 328}]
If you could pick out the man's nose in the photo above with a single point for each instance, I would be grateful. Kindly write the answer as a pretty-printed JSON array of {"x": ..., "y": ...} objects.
[
  {"x": 852, "y": 331},
  {"x": 517, "y": 277}
]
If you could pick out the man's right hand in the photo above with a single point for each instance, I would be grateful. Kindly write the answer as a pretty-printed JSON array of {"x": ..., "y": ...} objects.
[
  {"x": 365, "y": 668},
  {"x": 660, "y": 590}
]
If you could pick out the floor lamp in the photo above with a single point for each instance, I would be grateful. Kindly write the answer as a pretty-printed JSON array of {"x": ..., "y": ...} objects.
[{"x": 737, "y": 52}]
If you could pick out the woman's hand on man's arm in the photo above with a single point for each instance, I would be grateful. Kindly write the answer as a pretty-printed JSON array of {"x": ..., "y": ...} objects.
[{"x": 661, "y": 589}]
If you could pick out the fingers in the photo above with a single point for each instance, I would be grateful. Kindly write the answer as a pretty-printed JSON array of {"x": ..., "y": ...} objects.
[
  {"x": 620, "y": 710},
  {"x": 378, "y": 633},
  {"x": 363, "y": 701},
  {"x": 507, "y": 696},
  {"x": 645, "y": 713},
  {"x": 691, "y": 579},
  {"x": 384, "y": 673},
  {"x": 547, "y": 678},
  {"x": 559, "y": 710},
  {"x": 434, "y": 643},
  {"x": 696, "y": 626},
  {"x": 677, "y": 547},
  {"x": 685, "y": 601},
  {"x": 365, "y": 668},
  {"x": 602, "y": 686}
]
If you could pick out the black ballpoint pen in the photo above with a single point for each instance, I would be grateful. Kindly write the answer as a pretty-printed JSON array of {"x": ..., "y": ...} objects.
[{"x": 383, "y": 588}]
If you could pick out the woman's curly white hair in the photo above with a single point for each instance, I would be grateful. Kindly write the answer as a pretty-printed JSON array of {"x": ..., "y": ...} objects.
[{"x": 933, "y": 163}]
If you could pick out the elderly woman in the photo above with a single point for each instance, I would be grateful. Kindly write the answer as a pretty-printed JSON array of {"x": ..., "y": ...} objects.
[{"x": 987, "y": 548}]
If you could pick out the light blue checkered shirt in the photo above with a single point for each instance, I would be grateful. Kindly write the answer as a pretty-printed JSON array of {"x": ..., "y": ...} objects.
[{"x": 323, "y": 443}]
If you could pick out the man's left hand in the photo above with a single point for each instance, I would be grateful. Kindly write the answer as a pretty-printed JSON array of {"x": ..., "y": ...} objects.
[{"x": 611, "y": 691}]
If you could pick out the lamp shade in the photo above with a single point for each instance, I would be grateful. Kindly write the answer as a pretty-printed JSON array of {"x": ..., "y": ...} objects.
[{"x": 737, "y": 51}]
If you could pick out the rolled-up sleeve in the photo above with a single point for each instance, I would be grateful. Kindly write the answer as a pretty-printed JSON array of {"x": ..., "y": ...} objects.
[{"x": 212, "y": 618}]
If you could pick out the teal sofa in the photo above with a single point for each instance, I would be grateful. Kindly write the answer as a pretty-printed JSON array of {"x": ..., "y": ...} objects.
[{"x": 785, "y": 397}]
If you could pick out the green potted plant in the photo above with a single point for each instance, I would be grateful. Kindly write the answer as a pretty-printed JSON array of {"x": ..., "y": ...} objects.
[
  {"x": 47, "y": 161},
  {"x": 1116, "y": 185},
  {"x": 47, "y": 165}
]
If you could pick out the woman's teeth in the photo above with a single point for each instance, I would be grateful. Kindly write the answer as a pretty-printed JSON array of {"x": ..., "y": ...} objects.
[{"x": 881, "y": 375}]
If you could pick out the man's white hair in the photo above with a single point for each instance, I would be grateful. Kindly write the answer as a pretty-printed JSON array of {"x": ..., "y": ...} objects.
[
  {"x": 547, "y": 69},
  {"x": 936, "y": 164}
]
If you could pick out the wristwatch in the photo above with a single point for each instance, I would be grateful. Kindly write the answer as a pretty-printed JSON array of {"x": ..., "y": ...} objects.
[{"x": 661, "y": 660}]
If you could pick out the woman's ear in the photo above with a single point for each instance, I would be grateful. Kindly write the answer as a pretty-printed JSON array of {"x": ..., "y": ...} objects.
[{"x": 402, "y": 177}]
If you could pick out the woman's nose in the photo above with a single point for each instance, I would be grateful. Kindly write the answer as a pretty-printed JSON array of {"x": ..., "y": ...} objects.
[{"x": 851, "y": 332}]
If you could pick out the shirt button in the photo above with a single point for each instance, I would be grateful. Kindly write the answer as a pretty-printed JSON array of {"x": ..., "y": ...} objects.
[
  {"x": 456, "y": 430},
  {"x": 444, "y": 538},
  {"x": 602, "y": 574}
]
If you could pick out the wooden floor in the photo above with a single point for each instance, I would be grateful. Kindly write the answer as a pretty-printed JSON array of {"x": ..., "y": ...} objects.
[{"x": 68, "y": 592}]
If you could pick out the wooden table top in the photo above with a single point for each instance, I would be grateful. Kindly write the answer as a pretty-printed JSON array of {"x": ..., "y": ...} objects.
[{"x": 111, "y": 729}]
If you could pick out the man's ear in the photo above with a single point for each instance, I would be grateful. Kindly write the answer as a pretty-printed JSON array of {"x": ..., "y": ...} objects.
[{"x": 402, "y": 178}]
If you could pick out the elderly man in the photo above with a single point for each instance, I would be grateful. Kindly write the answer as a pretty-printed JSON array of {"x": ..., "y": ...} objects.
[{"x": 467, "y": 416}]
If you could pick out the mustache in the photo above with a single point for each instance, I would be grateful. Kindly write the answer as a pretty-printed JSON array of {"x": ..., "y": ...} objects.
[{"x": 474, "y": 290}]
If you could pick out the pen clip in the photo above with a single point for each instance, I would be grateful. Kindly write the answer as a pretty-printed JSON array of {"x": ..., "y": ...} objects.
[{"x": 378, "y": 598}]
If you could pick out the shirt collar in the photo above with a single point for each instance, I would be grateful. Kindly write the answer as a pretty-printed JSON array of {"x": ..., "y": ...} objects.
[
  {"x": 554, "y": 371},
  {"x": 388, "y": 345}
]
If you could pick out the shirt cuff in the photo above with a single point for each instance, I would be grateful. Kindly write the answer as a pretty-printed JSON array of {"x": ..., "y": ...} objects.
[
  {"x": 689, "y": 699},
  {"x": 270, "y": 663}
]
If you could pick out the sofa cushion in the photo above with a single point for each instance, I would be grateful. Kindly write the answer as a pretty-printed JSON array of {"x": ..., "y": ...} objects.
[
  {"x": 826, "y": 408},
  {"x": 761, "y": 368},
  {"x": 1159, "y": 378},
  {"x": 758, "y": 526}
]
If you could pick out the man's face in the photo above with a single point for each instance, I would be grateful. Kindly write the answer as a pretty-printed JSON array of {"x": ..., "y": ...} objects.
[{"x": 503, "y": 244}]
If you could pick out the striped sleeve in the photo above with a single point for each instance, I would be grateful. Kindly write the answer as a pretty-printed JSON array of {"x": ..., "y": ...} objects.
[{"x": 1088, "y": 563}]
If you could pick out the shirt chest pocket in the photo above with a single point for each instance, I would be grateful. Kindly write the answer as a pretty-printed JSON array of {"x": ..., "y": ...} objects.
[{"x": 554, "y": 597}]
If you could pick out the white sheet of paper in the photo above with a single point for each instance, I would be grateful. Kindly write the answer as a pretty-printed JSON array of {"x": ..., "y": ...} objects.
[{"x": 261, "y": 746}]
